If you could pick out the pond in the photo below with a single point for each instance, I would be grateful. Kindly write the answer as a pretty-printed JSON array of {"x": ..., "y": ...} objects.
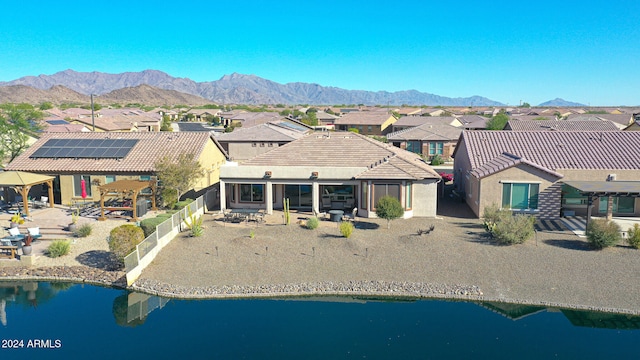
[{"x": 64, "y": 321}]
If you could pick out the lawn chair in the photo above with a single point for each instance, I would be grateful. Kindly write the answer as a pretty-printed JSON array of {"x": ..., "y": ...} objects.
[
  {"x": 44, "y": 200},
  {"x": 350, "y": 216},
  {"x": 34, "y": 232}
]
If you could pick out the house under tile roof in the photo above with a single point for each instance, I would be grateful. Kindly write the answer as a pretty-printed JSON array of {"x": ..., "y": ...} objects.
[
  {"x": 141, "y": 158},
  {"x": 263, "y": 132},
  {"x": 473, "y": 121},
  {"x": 426, "y": 132},
  {"x": 560, "y": 125},
  {"x": 345, "y": 149},
  {"x": 407, "y": 121},
  {"x": 554, "y": 150},
  {"x": 364, "y": 118}
]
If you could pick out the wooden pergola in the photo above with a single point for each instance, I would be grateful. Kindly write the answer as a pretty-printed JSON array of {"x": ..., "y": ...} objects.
[
  {"x": 22, "y": 182},
  {"x": 124, "y": 188}
]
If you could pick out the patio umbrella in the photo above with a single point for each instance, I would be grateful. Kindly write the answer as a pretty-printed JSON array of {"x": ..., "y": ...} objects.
[{"x": 83, "y": 189}]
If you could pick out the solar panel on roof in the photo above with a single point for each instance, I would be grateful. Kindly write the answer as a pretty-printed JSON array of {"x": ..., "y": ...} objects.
[
  {"x": 85, "y": 148},
  {"x": 57, "y": 122}
]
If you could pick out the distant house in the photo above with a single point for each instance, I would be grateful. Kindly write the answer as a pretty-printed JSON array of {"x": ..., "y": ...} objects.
[
  {"x": 560, "y": 125},
  {"x": 367, "y": 122},
  {"x": 473, "y": 122},
  {"x": 248, "y": 119},
  {"x": 112, "y": 120},
  {"x": 335, "y": 170},
  {"x": 325, "y": 119},
  {"x": 406, "y": 122},
  {"x": 101, "y": 158},
  {"x": 427, "y": 140},
  {"x": 550, "y": 173},
  {"x": 201, "y": 115},
  {"x": 635, "y": 125},
  {"x": 621, "y": 121},
  {"x": 246, "y": 143}
]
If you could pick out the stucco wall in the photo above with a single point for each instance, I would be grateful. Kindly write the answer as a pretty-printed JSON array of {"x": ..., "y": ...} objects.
[
  {"x": 245, "y": 150},
  {"x": 425, "y": 198}
]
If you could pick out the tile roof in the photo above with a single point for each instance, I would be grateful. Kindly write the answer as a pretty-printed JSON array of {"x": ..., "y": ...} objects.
[
  {"x": 262, "y": 132},
  {"x": 440, "y": 132},
  {"x": 473, "y": 121},
  {"x": 419, "y": 120},
  {"x": 560, "y": 125},
  {"x": 142, "y": 157},
  {"x": 345, "y": 149},
  {"x": 504, "y": 161},
  {"x": 364, "y": 118},
  {"x": 555, "y": 150}
]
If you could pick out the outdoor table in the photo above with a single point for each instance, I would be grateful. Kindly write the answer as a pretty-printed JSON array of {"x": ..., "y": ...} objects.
[{"x": 336, "y": 215}]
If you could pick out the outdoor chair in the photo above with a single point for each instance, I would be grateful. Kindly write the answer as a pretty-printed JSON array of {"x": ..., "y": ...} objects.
[
  {"x": 350, "y": 216},
  {"x": 34, "y": 232},
  {"x": 42, "y": 203},
  {"x": 326, "y": 202},
  {"x": 14, "y": 232},
  {"x": 321, "y": 215}
]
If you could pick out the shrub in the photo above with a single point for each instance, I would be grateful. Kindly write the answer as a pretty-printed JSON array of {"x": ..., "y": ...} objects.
[
  {"x": 346, "y": 229},
  {"x": 437, "y": 160},
  {"x": 633, "y": 238},
  {"x": 389, "y": 208},
  {"x": 83, "y": 230},
  {"x": 182, "y": 204},
  {"x": 506, "y": 228},
  {"x": 169, "y": 197},
  {"x": 514, "y": 229},
  {"x": 603, "y": 233},
  {"x": 313, "y": 223},
  {"x": 58, "y": 248},
  {"x": 123, "y": 240}
]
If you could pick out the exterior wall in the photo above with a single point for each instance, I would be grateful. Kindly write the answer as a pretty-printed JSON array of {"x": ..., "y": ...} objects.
[
  {"x": 211, "y": 159},
  {"x": 246, "y": 150},
  {"x": 386, "y": 127},
  {"x": 425, "y": 198}
]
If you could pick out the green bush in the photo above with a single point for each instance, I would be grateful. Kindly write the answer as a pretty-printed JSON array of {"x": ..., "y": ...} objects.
[
  {"x": 182, "y": 204},
  {"x": 633, "y": 238},
  {"x": 603, "y": 233},
  {"x": 346, "y": 229},
  {"x": 123, "y": 240},
  {"x": 169, "y": 197},
  {"x": 506, "y": 228},
  {"x": 58, "y": 248},
  {"x": 149, "y": 225},
  {"x": 389, "y": 208},
  {"x": 313, "y": 223},
  {"x": 437, "y": 160},
  {"x": 83, "y": 230}
]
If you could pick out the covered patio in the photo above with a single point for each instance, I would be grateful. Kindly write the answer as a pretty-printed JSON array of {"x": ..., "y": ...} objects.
[
  {"x": 611, "y": 192},
  {"x": 22, "y": 182},
  {"x": 126, "y": 188}
]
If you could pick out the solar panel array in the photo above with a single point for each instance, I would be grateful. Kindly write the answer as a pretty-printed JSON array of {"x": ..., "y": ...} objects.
[
  {"x": 57, "y": 122},
  {"x": 85, "y": 148}
]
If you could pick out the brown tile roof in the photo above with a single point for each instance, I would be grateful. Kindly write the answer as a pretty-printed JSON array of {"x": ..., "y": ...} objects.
[
  {"x": 344, "y": 149},
  {"x": 473, "y": 121},
  {"x": 504, "y": 161},
  {"x": 264, "y": 132},
  {"x": 364, "y": 118},
  {"x": 419, "y": 120},
  {"x": 560, "y": 125},
  {"x": 150, "y": 147},
  {"x": 65, "y": 128},
  {"x": 440, "y": 132},
  {"x": 555, "y": 150}
]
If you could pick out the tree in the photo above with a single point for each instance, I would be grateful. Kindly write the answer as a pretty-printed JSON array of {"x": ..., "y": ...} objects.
[
  {"x": 525, "y": 105},
  {"x": 17, "y": 123},
  {"x": 497, "y": 122},
  {"x": 179, "y": 173},
  {"x": 389, "y": 208},
  {"x": 46, "y": 105},
  {"x": 166, "y": 123}
]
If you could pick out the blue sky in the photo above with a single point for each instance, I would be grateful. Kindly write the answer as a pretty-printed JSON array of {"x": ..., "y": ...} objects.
[{"x": 508, "y": 51}]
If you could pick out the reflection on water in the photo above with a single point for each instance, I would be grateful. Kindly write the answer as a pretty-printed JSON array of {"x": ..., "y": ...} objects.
[{"x": 131, "y": 309}]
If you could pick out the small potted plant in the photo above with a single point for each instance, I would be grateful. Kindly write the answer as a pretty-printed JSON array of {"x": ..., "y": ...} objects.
[
  {"x": 16, "y": 220},
  {"x": 26, "y": 248}
]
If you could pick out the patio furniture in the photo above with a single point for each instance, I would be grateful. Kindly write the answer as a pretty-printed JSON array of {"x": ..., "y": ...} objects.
[
  {"x": 15, "y": 233},
  {"x": 336, "y": 215},
  {"x": 34, "y": 232},
  {"x": 8, "y": 251},
  {"x": 350, "y": 216},
  {"x": 44, "y": 200}
]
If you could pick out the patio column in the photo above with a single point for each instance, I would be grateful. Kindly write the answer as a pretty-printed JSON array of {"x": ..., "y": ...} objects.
[
  {"x": 589, "y": 207},
  {"x": 609, "y": 207},
  {"x": 268, "y": 193},
  {"x": 223, "y": 196},
  {"x": 315, "y": 197},
  {"x": 50, "y": 186}
]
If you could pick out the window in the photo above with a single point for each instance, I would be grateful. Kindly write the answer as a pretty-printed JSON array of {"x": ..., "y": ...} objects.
[
  {"x": 232, "y": 189},
  {"x": 109, "y": 179},
  {"x": 251, "y": 192},
  {"x": 621, "y": 204},
  {"x": 414, "y": 147},
  {"x": 369, "y": 128},
  {"x": 436, "y": 148},
  {"x": 365, "y": 198},
  {"x": 146, "y": 191},
  {"x": 520, "y": 196},
  {"x": 380, "y": 190},
  {"x": 77, "y": 185}
]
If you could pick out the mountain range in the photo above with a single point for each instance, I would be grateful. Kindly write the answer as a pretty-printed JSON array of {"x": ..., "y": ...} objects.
[{"x": 158, "y": 88}]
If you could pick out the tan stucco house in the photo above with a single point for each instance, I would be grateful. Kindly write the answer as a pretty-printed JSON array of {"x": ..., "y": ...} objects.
[
  {"x": 335, "y": 170},
  {"x": 101, "y": 158},
  {"x": 367, "y": 122},
  {"x": 543, "y": 172}
]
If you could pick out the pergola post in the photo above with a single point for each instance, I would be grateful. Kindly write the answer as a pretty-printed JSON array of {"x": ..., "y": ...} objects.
[{"x": 50, "y": 186}]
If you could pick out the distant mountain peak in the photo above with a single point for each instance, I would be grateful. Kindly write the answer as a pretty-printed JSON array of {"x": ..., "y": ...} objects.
[{"x": 561, "y": 102}]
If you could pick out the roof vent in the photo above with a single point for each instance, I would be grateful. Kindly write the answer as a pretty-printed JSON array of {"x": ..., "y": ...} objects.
[{"x": 611, "y": 177}]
